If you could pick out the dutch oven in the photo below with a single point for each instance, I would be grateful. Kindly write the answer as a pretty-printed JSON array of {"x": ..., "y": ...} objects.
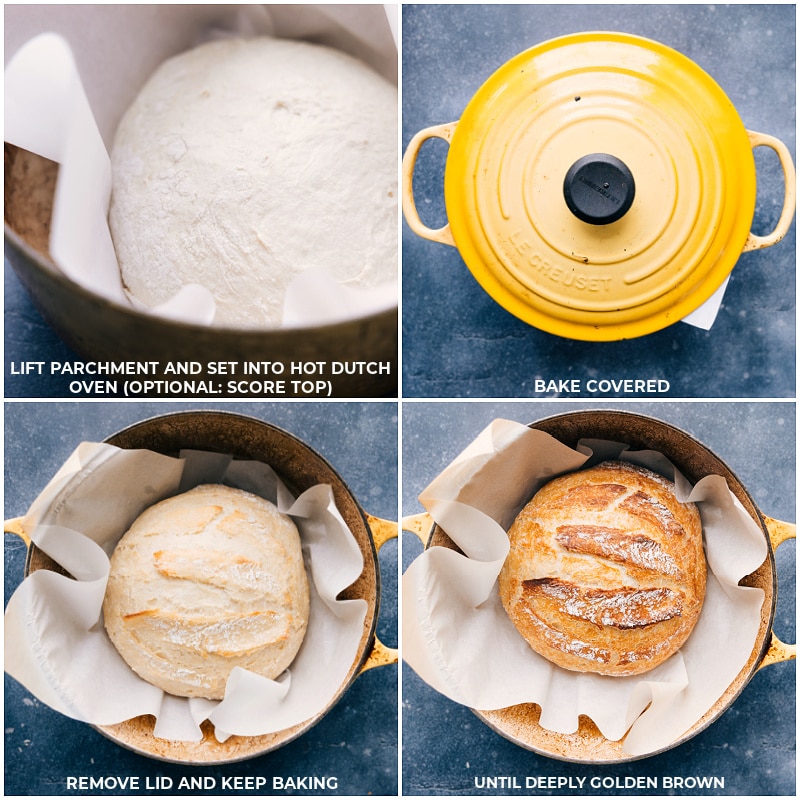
[
  {"x": 599, "y": 186},
  {"x": 520, "y": 723},
  {"x": 299, "y": 467},
  {"x": 100, "y": 329}
]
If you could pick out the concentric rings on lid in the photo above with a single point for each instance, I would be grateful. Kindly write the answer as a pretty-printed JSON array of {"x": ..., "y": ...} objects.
[{"x": 517, "y": 186}]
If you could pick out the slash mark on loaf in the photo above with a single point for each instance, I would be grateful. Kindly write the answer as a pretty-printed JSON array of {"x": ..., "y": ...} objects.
[{"x": 623, "y": 607}]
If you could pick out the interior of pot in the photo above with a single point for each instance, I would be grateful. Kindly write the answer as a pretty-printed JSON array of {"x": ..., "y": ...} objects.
[
  {"x": 101, "y": 330},
  {"x": 520, "y": 723},
  {"x": 299, "y": 467}
]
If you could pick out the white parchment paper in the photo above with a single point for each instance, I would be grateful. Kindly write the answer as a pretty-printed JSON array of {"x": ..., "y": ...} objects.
[
  {"x": 55, "y": 642},
  {"x": 458, "y": 638},
  {"x": 47, "y": 111}
]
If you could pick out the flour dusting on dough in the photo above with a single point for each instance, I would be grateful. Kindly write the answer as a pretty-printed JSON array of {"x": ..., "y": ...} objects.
[{"x": 243, "y": 163}]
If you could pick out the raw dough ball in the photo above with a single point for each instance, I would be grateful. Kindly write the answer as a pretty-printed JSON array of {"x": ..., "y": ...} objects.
[
  {"x": 203, "y": 582},
  {"x": 243, "y": 163}
]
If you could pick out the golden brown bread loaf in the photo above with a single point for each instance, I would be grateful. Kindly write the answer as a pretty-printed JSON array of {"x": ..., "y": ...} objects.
[
  {"x": 606, "y": 571},
  {"x": 203, "y": 582}
]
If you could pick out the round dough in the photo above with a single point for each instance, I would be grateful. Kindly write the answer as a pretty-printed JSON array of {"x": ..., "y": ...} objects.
[
  {"x": 243, "y": 163},
  {"x": 204, "y": 582},
  {"x": 606, "y": 571}
]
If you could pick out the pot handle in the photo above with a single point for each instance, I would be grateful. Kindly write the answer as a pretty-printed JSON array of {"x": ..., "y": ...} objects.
[
  {"x": 15, "y": 526},
  {"x": 443, "y": 234},
  {"x": 380, "y": 656},
  {"x": 419, "y": 524},
  {"x": 778, "y": 651},
  {"x": 790, "y": 196}
]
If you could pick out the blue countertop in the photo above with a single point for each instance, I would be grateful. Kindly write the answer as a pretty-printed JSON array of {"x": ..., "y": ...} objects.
[
  {"x": 457, "y": 342},
  {"x": 448, "y": 750},
  {"x": 356, "y": 742},
  {"x": 459, "y": 345}
]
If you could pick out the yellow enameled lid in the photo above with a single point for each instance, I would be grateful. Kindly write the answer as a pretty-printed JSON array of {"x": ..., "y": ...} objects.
[{"x": 600, "y": 186}]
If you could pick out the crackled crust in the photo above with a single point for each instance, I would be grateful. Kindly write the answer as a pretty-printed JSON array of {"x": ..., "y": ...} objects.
[{"x": 606, "y": 571}]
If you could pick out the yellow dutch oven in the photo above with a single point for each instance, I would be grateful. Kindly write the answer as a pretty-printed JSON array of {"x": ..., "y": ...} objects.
[{"x": 600, "y": 186}]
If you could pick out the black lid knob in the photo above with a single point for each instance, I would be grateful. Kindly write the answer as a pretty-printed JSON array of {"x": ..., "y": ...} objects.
[{"x": 599, "y": 189}]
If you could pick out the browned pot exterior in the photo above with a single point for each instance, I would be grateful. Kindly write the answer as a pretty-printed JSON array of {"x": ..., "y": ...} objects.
[
  {"x": 520, "y": 723},
  {"x": 299, "y": 467},
  {"x": 98, "y": 329}
]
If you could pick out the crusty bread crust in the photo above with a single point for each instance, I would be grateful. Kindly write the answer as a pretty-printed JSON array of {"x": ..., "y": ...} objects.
[
  {"x": 203, "y": 582},
  {"x": 606, "y": 571}
]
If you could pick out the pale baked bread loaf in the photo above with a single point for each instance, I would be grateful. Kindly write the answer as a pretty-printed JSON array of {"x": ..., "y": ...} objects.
[
  {"x": 203, "y": 582},
  {"x": 606, "y": 571}
]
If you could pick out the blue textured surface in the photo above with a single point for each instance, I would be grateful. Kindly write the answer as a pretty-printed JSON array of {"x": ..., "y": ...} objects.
[
  {"x": 751, "y": 746},
  {"x": 457, "y": 342},
  {"x": 356, "y": 741}
]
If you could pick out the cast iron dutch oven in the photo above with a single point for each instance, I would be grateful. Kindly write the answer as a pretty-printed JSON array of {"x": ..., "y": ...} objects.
[
  {"x": 599, "y": 186},
  {"x": 299, "y": 467},
  {"x": 520, "y": 723}
]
